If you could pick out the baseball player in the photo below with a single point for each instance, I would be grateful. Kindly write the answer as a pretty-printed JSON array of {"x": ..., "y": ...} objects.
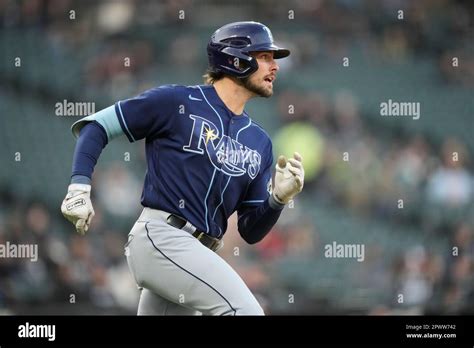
[{"x": 206, "y": 159}]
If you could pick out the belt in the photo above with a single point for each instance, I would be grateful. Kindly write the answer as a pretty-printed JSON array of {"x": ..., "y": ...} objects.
[{"x": 180, "y": 223}]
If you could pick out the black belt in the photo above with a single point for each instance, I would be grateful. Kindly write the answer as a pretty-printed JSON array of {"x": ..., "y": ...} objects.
[{"x": 206, "y": 240}]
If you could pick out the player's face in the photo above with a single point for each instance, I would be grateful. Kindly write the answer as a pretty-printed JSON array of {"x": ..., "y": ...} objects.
[{"x": 261, "y": 81}]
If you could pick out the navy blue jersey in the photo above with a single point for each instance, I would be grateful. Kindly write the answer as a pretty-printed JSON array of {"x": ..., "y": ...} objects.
[{"x": 203, "y": 161}]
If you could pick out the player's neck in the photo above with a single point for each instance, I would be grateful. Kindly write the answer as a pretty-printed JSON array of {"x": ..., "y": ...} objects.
[{"x": 233, "y": 95}]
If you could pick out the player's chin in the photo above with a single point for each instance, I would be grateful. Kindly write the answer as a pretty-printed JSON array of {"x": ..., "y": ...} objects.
[
  {"x": 263, "y": 89},
  {"x": 268, "y": 93},
  {"x": 266, "y": 90}
]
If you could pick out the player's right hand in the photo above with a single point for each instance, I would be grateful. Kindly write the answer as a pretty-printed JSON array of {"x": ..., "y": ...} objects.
[{"x": 77, "y": 207}]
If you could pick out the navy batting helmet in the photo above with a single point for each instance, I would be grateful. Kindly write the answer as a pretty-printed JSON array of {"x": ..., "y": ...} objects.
[{"x": 230, "y": 47}]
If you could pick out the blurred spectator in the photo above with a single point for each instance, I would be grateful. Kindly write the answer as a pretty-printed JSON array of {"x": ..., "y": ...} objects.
[
  {"x": 451, "y": 184},
  {"x": 116, "y": 188}
]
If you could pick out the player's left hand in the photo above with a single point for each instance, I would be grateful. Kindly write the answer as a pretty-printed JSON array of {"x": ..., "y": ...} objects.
[{"x": 289, "y": 178}]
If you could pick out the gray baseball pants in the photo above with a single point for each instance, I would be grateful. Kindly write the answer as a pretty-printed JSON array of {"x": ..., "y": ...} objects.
[{"x": 177, "y": 275}]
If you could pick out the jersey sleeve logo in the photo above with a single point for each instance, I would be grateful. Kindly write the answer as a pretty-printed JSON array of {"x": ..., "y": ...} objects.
[
  {"x": 226, "y": 154},
  {"x": 269, "y": 186}
]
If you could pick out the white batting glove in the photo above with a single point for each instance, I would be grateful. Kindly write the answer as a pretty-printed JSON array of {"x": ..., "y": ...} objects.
[
  {"x": 289, "y": 178},
  {"x": 77, "y": 207}
]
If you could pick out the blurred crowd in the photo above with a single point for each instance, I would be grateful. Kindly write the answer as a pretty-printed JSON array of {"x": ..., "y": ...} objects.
[
  {"x": 120, "y": 53},
  {"x": 391, "y": 176},
  {"x": 400, "y": 178},
  {"x": 72, "y": 272}
]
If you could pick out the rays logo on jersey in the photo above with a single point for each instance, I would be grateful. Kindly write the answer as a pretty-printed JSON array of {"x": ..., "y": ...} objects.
[{"x": 226, "y": 154}]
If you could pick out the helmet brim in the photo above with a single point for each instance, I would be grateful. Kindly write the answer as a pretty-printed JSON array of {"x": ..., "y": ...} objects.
[
  {"x": 281, "y": 53},
  {"x": 278, "y": 52}
]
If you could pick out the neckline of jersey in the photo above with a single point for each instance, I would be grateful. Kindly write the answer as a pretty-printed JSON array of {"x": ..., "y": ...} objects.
[{"x": 242, "y": 116}]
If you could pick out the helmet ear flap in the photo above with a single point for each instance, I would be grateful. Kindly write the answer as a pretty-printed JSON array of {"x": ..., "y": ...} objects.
[
  {"x": 240, "y": 61},
  {"x": 241, "y": 65},
  {"x": 232, "y": 61}
]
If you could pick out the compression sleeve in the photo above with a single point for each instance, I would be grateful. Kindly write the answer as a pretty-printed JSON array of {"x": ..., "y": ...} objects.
[
  {"x": 255, "y": 222},
  {"x": 92, "y": 140}
]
